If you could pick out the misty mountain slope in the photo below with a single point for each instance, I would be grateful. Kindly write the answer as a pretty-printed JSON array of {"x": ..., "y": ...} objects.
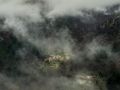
[
  {"x": 58, "y": 45},
  {"x": 101, "y": 64}
]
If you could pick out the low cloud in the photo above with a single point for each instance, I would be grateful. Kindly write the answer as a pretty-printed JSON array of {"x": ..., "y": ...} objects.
[{"x": 73, "y": 7}]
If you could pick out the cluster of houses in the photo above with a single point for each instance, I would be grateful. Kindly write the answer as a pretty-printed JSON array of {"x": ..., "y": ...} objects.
[{"x": 57, "y": 58}]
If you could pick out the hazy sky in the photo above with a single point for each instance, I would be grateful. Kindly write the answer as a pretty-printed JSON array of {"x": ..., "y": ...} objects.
[
  {"x": 55, "y": 7},
  {"x": 61, "y": 7}
]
